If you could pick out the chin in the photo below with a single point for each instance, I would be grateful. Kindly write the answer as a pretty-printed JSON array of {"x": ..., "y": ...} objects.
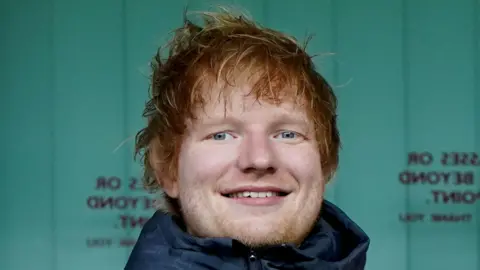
[
  {"x": 258, "y": 233},
  {"x": 252, "y": 226}
]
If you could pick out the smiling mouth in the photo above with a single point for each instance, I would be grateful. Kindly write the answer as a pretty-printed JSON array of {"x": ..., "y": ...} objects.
[{"x": 255, "y": 194}]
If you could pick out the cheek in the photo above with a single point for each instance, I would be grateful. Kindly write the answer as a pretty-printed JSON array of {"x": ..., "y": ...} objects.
[
  {"x": 303, "y": 163},
  {"x": 200, "y": 165}
]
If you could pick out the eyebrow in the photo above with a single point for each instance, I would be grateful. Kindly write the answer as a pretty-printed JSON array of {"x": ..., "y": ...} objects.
[
  {"x": 216, "y": 121},
  {"x": 279, "y": 120}
]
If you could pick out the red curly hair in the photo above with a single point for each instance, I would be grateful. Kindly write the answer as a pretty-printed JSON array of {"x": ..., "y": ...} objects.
[{"x": 213, "y": 53}]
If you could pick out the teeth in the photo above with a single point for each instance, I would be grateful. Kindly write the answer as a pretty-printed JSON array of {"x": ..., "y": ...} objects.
[{"x": 252, "y": 194}]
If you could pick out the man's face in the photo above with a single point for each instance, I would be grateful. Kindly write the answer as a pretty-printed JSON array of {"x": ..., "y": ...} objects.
[{"x": 250, "y": 170}]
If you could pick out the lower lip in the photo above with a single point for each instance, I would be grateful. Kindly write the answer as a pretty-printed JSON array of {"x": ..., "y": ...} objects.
[{"x": 266, "y": 201}]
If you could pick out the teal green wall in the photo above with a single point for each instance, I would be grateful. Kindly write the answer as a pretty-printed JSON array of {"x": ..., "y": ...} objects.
[{"x": 73, "y": 82}]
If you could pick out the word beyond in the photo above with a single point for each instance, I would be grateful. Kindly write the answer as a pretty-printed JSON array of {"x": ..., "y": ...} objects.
[
  {"x": 432, "y": 178},
  {"x": 120, "y": 202}
]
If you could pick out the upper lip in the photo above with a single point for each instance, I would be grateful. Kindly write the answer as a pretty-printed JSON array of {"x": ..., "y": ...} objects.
[{"x": 255, "y": 189}]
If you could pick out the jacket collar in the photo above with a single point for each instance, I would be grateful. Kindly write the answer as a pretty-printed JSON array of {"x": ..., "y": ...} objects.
[{"x": 335, "y": 242}]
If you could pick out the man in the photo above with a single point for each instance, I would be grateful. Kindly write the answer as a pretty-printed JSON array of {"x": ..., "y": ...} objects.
[{"x": 241, "y": 140}]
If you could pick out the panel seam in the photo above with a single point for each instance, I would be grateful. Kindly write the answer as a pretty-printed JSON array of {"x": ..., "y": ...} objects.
[
  {"x": 476, "y": 103},
  {"x": 406, "y": 116},
  {"x": 53, "y": 110}
]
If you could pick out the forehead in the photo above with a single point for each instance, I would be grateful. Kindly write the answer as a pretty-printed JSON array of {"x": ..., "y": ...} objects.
[{"x": 223, "y": 99}]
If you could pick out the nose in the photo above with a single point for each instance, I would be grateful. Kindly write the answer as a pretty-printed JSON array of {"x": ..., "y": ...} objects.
[{"x": 257, "y": 155}]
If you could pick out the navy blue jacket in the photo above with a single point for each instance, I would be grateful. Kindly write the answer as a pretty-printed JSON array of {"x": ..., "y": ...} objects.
[{"x": 335, "y": 243}]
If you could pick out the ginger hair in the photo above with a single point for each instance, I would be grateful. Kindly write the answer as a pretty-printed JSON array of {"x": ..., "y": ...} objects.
[{"x": 212, "y": 53}]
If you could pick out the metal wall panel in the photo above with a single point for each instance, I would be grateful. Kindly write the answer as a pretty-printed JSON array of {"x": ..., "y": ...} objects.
[{"x": 74, "y": 78}]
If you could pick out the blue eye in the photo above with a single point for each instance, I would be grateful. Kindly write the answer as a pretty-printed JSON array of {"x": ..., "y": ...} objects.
[
  {"x": 288, "y": 135},
  {"x": 221, "y": 136}
]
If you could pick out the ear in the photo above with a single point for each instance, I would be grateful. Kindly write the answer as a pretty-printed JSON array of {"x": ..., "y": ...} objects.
[{"x": 161, "y": 171}]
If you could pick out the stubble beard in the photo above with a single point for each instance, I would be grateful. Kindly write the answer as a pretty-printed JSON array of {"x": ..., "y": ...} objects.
[{"x": 289, "y": 227}]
